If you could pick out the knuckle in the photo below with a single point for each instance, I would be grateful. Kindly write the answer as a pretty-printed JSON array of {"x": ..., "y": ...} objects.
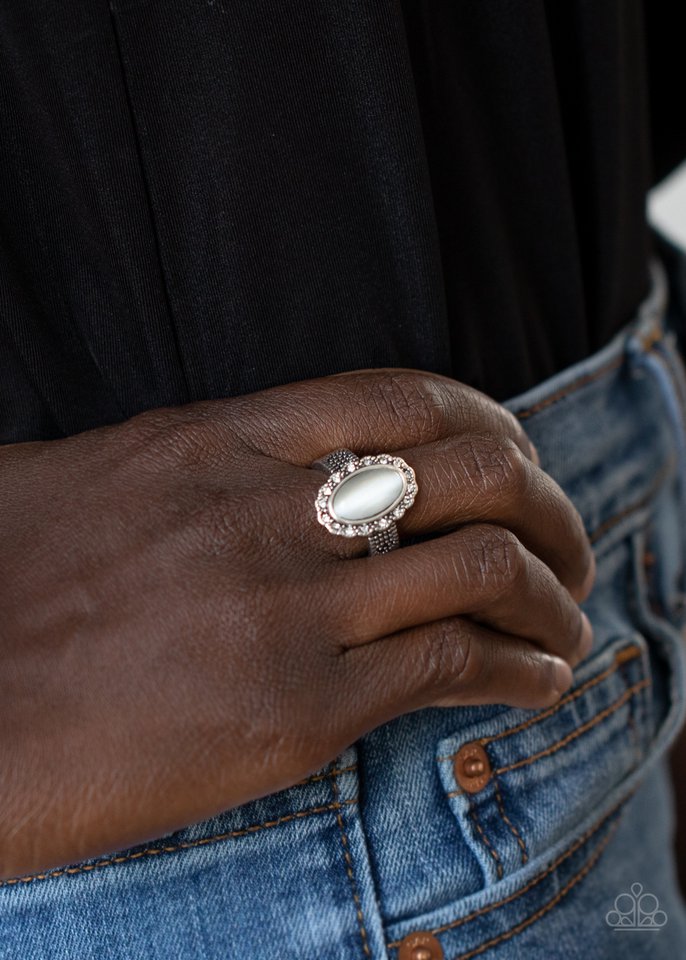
[
  {"x": 514, "y": 471},
  {"x": 564, "y": 610},
  {"x": 501, "y": 420},
  {"x": 424, "y": 402},
  {"x": 450, "y": 658},
  {"x": 175, "y": 437},
  {"x": 499, "y": 561},
  {"x": 496, "y": 466}
]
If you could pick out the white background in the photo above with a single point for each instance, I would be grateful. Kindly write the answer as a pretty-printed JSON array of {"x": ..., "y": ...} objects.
[{"x": 667, "y": 206}]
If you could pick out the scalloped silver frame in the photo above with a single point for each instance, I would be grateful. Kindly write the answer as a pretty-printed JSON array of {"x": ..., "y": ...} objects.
[{"x": 376, "y": 522}]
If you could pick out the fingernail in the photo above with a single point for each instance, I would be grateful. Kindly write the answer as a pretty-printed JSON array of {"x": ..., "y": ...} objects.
[
  {"x": 534, "y": 455},
  {"x": 563, "y": 677},
  {"x": 586, "y": 639}
]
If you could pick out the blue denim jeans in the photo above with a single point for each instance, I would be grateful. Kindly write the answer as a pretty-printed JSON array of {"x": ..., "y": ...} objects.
[{"x": 560, "y": 847}]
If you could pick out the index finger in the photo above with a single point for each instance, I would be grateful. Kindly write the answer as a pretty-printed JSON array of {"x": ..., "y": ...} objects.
[{"x": 367, "y": 411}]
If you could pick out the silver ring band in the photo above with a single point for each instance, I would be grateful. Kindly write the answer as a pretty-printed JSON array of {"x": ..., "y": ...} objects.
[{"x": 364, "y": 496}]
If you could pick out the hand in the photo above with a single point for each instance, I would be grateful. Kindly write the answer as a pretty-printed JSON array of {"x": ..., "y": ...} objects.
[{"x": 180, "y": 635}]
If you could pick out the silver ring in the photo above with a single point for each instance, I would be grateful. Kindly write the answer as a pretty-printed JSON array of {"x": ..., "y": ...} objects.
[{"x": 364, "y": 496}]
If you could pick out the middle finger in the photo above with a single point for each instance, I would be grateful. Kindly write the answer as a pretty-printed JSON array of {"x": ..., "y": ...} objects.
[{"x": 468, "y": 479}]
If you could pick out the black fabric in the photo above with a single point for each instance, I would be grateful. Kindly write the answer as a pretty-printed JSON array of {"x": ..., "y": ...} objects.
[
  {"x": 535, "y": 123},
  {"x": 664, "y": 37},
  {"x": 200, "y": 199}
]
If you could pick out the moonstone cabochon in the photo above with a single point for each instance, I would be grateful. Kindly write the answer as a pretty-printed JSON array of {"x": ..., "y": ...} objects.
[
  {"x": 367, "y": 493},
  {"x": 394, "y": 490}
]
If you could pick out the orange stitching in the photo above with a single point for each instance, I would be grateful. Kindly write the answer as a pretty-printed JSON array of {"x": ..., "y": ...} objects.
[
  {"x": 626, "y": 654},
  {"x": 594, "y": 721},
  {"x": 570, "y": 388},
  {"x": 577, "y": 878},
  {"x": 565, "y": 855},
  {"x": 629, "y": 653},
  {"x": 513, "y": 830},
  {"x": 584, "y": 728},
  {"x": 487, "y": 843},
  {"x": 155, "y": 851},
  {"x": 325, "y": 776},
  {"x": 349, "y": 871},
  {"x": 622, "y": 656}
]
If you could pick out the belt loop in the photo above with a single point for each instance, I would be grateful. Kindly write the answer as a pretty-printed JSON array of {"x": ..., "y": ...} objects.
[
  {"x": 652, "y": 350},
  {"x": 650, "y": 325}
]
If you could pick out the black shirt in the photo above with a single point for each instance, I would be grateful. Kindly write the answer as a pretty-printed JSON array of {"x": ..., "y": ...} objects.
[
  {"x": 536, "y": 131},
  {"x": 201, "y": 199}
]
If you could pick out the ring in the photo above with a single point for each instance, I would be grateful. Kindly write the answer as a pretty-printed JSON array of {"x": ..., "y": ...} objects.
[{"x": 364, "y": 496}]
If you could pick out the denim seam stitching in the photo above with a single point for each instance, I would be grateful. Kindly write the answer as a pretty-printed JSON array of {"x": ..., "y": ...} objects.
[
  {"x": 541, "y": 912},
  {"x": 565, "y": 855},
  {"x": 185, "y": 845},
  {"x": 325, "y": 776},
  {"x": 574, "y": 695},
  {"x": 584, "y": 728},
  {"x": 349, "y": 870},
  {"x": 513, "y": 830},
  {"x": 577, "y": 732},
  {"x": 486, "y": 842},
  {"x": 611, "y": 522},
  {"x": 570, "y": 388}
]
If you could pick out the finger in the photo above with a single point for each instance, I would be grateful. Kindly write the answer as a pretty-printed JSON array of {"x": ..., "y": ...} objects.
[
  {"x": 456, "y": 488},
  {"x": 475, "y": 478},
  {"x": 452, "y": 662},
  {"x": 481, "y": 571},
  {"x": 367, "y": 411}
]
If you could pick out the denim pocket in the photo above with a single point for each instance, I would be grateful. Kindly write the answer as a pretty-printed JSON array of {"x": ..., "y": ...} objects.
[
  {"x": 544, "y": 773},
  {"x": 537, "y": 796},
  {"x": 521, "y": 782},
  {"x": 657, "y": 610}
]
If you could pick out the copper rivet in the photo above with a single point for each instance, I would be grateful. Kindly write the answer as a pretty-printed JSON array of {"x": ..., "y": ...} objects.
[
  {"x": 472, "y": 767},
  {"x": 421, "y": 945}
]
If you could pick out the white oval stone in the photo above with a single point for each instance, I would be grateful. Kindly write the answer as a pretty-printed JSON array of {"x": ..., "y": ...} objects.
[{"x": 367, "y": 493}]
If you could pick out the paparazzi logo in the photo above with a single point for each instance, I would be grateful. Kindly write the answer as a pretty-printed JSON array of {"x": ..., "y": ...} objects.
[{"x": 636, "y": 911}]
